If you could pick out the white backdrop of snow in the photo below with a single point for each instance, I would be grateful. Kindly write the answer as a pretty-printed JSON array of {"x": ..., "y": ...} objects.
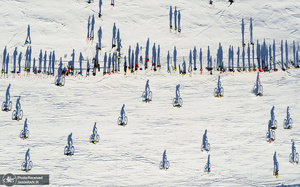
[{"x": 130, "y": 156}]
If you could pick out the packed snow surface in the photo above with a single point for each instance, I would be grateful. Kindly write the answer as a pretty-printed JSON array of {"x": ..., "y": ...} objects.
[{"x": 130, "y": 156}]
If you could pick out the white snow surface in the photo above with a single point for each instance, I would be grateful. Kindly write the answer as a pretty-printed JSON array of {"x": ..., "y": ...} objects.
[{"x": 129, "y": 156}]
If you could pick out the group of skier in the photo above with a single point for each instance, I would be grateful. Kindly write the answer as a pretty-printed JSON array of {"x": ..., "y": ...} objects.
[{"x": 177, "y": 19}]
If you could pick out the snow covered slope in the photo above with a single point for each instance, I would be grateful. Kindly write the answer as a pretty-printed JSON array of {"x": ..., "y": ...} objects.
[
  {"x": 236, "y": 124},
  {"x": 130, "y": 156},
  {"x": 62, "y": 26}
]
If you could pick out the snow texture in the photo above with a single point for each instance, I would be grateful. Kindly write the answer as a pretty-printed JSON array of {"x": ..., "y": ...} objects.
[{"x": 131, "y": 156}]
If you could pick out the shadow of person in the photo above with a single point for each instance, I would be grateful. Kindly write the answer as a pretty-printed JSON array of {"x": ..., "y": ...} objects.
[{"x": 28, "y": 38}]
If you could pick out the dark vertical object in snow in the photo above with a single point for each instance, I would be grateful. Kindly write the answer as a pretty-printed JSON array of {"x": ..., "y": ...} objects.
[
  {"x": 238, "y": 60},
  {"x": 147, "y": 54},
  {"x": 158, "y": 56},
  {"x": 119, "y": 46},
  {"x": 45, "y": 63},
  {"x": 175, "y": 18},
  {"x": 49, "y": 65},
  {"x": 73, "y": 60},
  {"x": 113, "y": 62},
  {"x": 4, "y": 58},
  {"x": 6, "y": 64},
  {"x": 88, "y": 28},
  {"x": 60, "y": 68},
  {"x": 154, "y": 57},
  {"x": 100, "y": 13},
  {"x": 92, "y": 28},
  {"x": 168, "y": 62},
  {"x": 116, "y": 61},
  {"x": 114, "y": 36},
  {"x": 232, "y": 58},
  {"x": 229, "y": 58},
  {"x": 129, "y": 54},
  {"x": 195, "y": 58},
  {"x": 99, "y": 38},
  {"x": 26, "y": 59},
  {"x": 281, "y": 49},
  {"x": 170, "y": 15},
  {"x": 253, "y": 63},
  {"x": 220, "y": 65},
  {"x": 104, "y": 65},
  {"x": 251, "y": 32},
  {"x": 96, "y": 59},
  {"x": 132, "y": 61},
  {"x": 33, "y": 66},
  {"x": 243, "y": 33},
  {"x": 19, "y": 62},
  {"x": 175, "y": 58},
  {"x": 200, "y": 56},
  {"x": 87, "y": 67},
  {"x": 271, "y": 58},
  {"x": 141, "y": 56},
  {"x": 53, "y": 62},
  {"x": 118, "y": 41},
  {"x": 137, "y": 50},
  {"x": 258, "y": 56},
  {"x": 109, "y": 64},
  {"x": 208, "y": 58},
  {"x": 266, "y": 56},
  {"x": 40, "y": 61},
  {"x": 274, "y": 55},
  {"x": 243, "y": 58},
  {"x": 179, "y": 18},
  {"x": 276, "y": 165},
  {"x": 297, "y": 58},
  {"x": 80, "y": 63},
  {"x": 125, "y": 65},
  {"x": 28, "y": 38},
  {"x": 190, "y": 62},
  {"x": 286, "y": 55},
  {"x": 15, "y": 60},
  {"x": 248, "y": 51},
  {"x": 294, "y": 54}
]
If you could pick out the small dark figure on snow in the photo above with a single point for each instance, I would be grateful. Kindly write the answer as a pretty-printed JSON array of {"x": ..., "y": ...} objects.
[
  {"x": 288, "y": 122},
  {"x": 219, "y": 90},
  {"x": 69, "y": 149},
  {"x": 147, "y": 94},
  {"x": 210, "y": 2},
  {"x": 258, "y": 88},
  {"x": 27, "y": 164},
  {"x": 272, "y": 122},
  {"x": 205, "y": 145},
  {"x": 18, "y": 113},
  {"x": 177, "y": 101},
  {"x": 294, "y": 156},
  {"x": 270, "y": 136},
  {"x": 276, "y": 166},
  {"x": 230, "y": 1},
  {"x": 59, "y": 80},
  {"x": 7, "y": 104},
  {"x": 164, "y": 164},
  {"x": 207, "y": 166},
  {"x": 94, "y": 138},
  {"x": 28, "y": 38},
  {"x": 24, "y": 134},
  {"x": 123, "y": 120}
]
